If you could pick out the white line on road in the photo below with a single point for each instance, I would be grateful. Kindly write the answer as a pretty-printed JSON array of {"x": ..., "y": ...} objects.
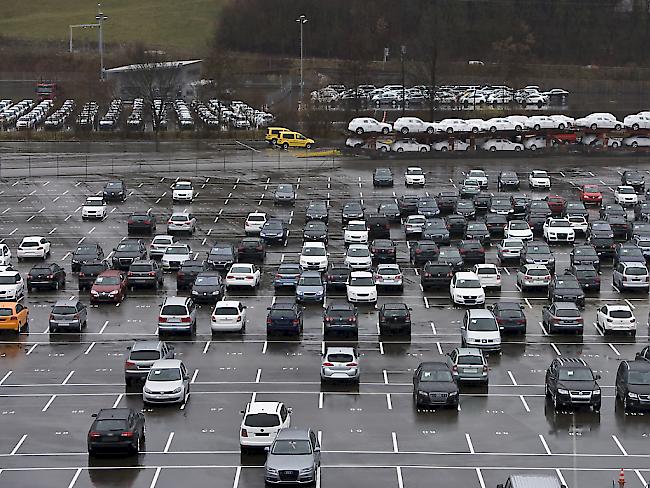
[
  {"x": 512, "y": 378},
  {"x": 557, "y": 351},
  {"x": 381, "y": 347},
  {"x": 543, "y": 441},
  {"x": 155, "y": 478},
  {"x": 480, "y": 477},
  {"x": 629, "y": 303},
  {"x": 258, "y": 375},
  {"x": 118, "y": 400},
  {"x": 320, "y": 400},
  {"x": 169, "y": 442},
  {"x": 559, "y": 475},
  {"x": 614, "y": 349},
  {"x": 207, "y": 345},
  {"x": 389, "y": 402},
  {"x": 81, "y": 240},
  {"x": 400, "y": 482},
  {"x": 87, "y": 351},
  {"x": 52, "y": 231},
  {"x": 17, "y": 446},
  {"x": 67, "y": 378},
  {"x": 433, "y": 329},
  {"x": 620, "y": 446},
  {"x": 101, "y": 331},
  {"x": 641, "y": 478},
  {"x": 394, "y": 437},
  {"x": 264, "y": 347},
  {"x": 31, "y": 349},
  {"x": 426, "y": 302},
  {"x": 525, "y": 403},
  {"x": 235, "y": 483},
  {"x": 196, "y": 372},
  {"x": 49, "y": 402},
  {"x": 439, "y": 348},
  {"x": 6, "y": 210},
  {"x": 385, "y": 374},
  {"x": 528, "y": 303},
  {"x": 469, "y": 443},
  {"x": 75, "y": 477},
  {"x": 5, "y": 377}
]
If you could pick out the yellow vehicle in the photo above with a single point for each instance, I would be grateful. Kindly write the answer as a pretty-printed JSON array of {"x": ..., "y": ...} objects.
[
  {"x": 289, "y": 138},
  {"x": 272, "y": 134},
  {"x": 13, "y": 316}
]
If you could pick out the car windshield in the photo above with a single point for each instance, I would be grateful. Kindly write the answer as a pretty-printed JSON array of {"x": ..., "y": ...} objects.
[
  {"x": 8, "y": 280},
  {"x": 567, "y": 285},
  {"x": 361, "y": 281},
  {"x": 94, "y": 201},
  {"x": 388, "y": 271},
  {"x": 207, "y": 280},
  {"x": 107, "y": 280},
  {"x": 162, "y": 241},
  {"x": 483, "y": 324},
  {"x": 639, "y": 378},
  {"x": 223, "y": 251},
  {"x": 179, "y": 218},
  {"x": 310, "y": 281},
  {"x": 173, "y": 310},
  {"x": 578, "y": 374},
  {"x": 437, "y": 375},
  {"x": 358, "y": 252},
  {"x": 262, "y": 420},
  {"x": 177, "y": 250},
  {"x": 114, "y": 185},
  {"x": 313, "y": 251},
  {"x": 164, "y": 374},
  {"x": 519, "y": 226},
  {"x": 183, "y": 186},
  {"x": 226, "y": 311},
  {"x": 291, "y": 447},
  {"x": 587, "y": 273},
  {"x": 414, "y": 171},
  {"x": 256, "y": 218},
  {"x": 284, "y": 189},
  {"x": 356, "y": 227},
  {"x": 110, "y": 424},
  {"x": 468, "y": 283},
  {"x": 128, "y": 246},
  {"x": 64, "y": 310}
]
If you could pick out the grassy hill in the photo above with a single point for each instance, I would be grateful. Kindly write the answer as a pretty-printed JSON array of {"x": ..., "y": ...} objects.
[{"x": 168, "y": 24}]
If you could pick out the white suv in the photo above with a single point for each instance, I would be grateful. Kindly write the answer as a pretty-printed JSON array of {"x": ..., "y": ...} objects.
[
  {"x": 181, "y": 222},
  {"x": 93, "y": 208},
  {"x": 313, "y": 256},
  {"x": 12, "y": 286},
  {"x": 414, "y": 176},
  {"x": 465, "y": 289},
  {"x": 33, "y": 247},
  {"x": 261, "y": 423},
  {"x": 254, "y": 222},
  {"x": 480, "y": 329},
  {"x": 539, "y": 179},
  {"x": 625, "y": 196},
  {"x": 228, "y": 316},
  {"x": 367, "y": 124},
  {"x": 558, "y": 230},
  {"x": 159, "y": 244}
]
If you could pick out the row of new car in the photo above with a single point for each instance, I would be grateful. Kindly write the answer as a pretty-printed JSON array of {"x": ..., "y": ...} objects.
[
  {"x": 59, "y": 118},
  {"x": 183, "y": 114},
  {"x": 10, "y": 113},
  {"x": 135, "y": 120},
  {"x": 87, "y": 116},
  {"x": 111, "y": 118},
  {"x": 35, "y": 116}
]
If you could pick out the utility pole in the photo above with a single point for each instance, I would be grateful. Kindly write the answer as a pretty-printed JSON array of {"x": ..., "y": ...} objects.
[
  {"x": 403, "y": 55},
  {"x": 100, "y": 17},
  {"x": 302, "y": 20}
]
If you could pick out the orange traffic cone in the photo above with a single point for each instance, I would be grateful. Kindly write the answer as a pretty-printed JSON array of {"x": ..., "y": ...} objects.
[{"x": 621, "y": 478}]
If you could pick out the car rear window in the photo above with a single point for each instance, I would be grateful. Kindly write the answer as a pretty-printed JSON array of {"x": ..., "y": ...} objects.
[
  {"x": 226, "y": 311},
  {"x": 510, "y": 314},
  {"x": 110, "y": 424},
  {"x": 107, "y": 280},
  {"x": 388, "y": 271},
  {"x": 568, "y": 312},
  {"x": 262, "y": 420},
  {"x": 29, "y": 244},
  {"x": 144, "y": 355},
  {"x": 395, "y": 312},
  {"x": 64, "y": 310},
  {"x": 621, "y": 314},
  {"x": 174, "y": 310},
  {"x": 92, "y": 269},
  {"x": 636, "y": 271},
  {"x": 340, "y": 358},
  {"x": 470, "y": 360},
  {"x": 486, "y": 271},
  {"x": 282, "y": 314},
  {"x": 6, "y": 312},
  {"x": 141, "y": 267}
]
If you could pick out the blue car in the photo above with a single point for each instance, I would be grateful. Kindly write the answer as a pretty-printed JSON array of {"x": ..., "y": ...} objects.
[
  {"x": 310, "y": 287},
  {"x": 287, "y": 275}
]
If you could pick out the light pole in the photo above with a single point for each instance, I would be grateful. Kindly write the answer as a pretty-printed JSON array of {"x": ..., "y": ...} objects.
[
  {"x": 100, "y": 17},
  {"x": 403, "y": 55},
  {"x": 302, "y": 20}
]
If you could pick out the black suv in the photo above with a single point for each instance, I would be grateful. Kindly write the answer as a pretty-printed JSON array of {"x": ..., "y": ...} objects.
[
  {"x": 434, "y": 386},
  {"x": 315, "y": 231},
  {"x": 340, "y": 319},
  {"x": 628, "y": 253},
  {"x": 482, "y": 202},
  {"x": 609, "y": 209},
  {"x": 188, "y": 272},
  {"x": 509, "y": 316},
  {"x": 633, "y": 179},
  {"x": 584, "y": 254},
  {"x": 604, "y": 246},
  {"x": 383, "y": 251},
  {"x": 317, "y": 210},
  {"x": 436, "y": 275},
  {"x": 284, "y": 318},
  {"x": 351, "y": 211},
  {"x": 115, "y": 191},
  {"x": 251, "y": 248},
  {"x": 394, "y": 318},
  {"x": 115, "y": 430},
  {"x": 378, "y": 227},
  {"x": 621, "y": 228},
  {"x": 586, "y": 275},
  {"x": 508, "y": 180},
  {"x": 127, "y": 251},
  {"x": 423, "y": 251},
  {"x": 570, "y": 382},
  {"x": 447, "y": 200},
  {"x": 436, "y": 230},
  {"x": 566, "y": 288},
  {"x": 46, "y": 276},
  {"x": 382, "y": 177},
  {"x": 337, "y": 276},
  {"x": 145, "y": 273},
  {"x": 89, "y": 271},
  {"x": 472, "y": 251},
  {"x": 466, "y": 208},
  {"x": 84, "y": 253},
  {"x": 221, "y": 257},
  {"x": 538, "y": 252},
  {"x": 408, "y": 204},
  {"x": 456, "y": 225},
  {"x": 633, "y": 385},
  {"x": 451, "y": 255},
  {"x": 519, "y": 204},
  {"x": 642, "y": 211},
  {"x": 141, "y": 223}
]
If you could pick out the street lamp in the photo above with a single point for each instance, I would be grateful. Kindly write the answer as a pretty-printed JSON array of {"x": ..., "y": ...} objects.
[
  {"x": 100, "y": 17},
  {"x": 403, "y": 55},
  {"x": 302, "y": 20}
]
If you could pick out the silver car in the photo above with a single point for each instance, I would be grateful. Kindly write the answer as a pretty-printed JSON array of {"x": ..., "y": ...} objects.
[
  {"x": 533, "y": 276},
  {"x": 389, "y": 276},
  {"x": 340, "y": 363},
  {"x": 467, "y": 364},
  {"x": 68, "y": 315},
  {"x": 509, "y": 249},
  {"x": 293, "y": 458}
]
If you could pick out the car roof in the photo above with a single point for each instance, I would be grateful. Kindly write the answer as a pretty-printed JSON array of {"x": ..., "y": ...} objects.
[
  {"x": 167, "y": 363},
  {"x": 175, "y": 300},
  {"x": 111, "y": 272},
  {"x": 340, "y": 306},
  {"x": 293, "y": 433},
  {"x": 146, "y": 345},
  {"x": 480, "y": 313},
  {"x": 565, "y": 305},
  {"x": 64, "y": 303},
  {"x": 395, "y": 306},
  {"x": 360, "y": 274},
  {"x": 341, "y": 350},
  {"x": 114, "y": 413},
  {"x": 434, "y": 365},
  {"x": 469, "y": 351}
]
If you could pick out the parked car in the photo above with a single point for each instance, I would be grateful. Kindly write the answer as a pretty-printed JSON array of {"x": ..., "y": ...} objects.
[
  {"x": 562, "y": 316},
  {"x": 633, "y": 384},
  {"x": 167, "y": 382},
  {"x": 46, "y": 276},
  {"x": 284, "y": 318},
  {"x": 434, "y": 386},
  {"x": 570, "y": 382},
  {"x": 141, "y": 223},
  {"x": 616, "y": 318},
  {"x": 116, "y": 430},
  {"x": 293, "y": 457},
  {"x": 141, "y": 356},
  {"x": 340, "y": 319},
  {"x": 509, "y": 316},
  {"x": 465, "y": 289},
  {"x": 228, "y": 316},
  {"x": 468, "y": 365},
  {"x": 109, "y": 286},
  {"x": 208, "y": 287},
  {"x": 33, "y": 247},
  {"x": 145, "y": 273},
  {"x": 68, "y": 315}
]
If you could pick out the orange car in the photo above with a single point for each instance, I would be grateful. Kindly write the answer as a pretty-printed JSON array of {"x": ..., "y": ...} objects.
[{"x": 13, "y": 316}]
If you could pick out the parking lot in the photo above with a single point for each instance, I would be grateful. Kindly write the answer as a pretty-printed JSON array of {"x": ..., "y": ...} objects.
[{"x": 50, "y": 384}]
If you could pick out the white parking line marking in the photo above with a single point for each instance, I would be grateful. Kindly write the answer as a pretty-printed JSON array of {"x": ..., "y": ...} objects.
[
  {"x": 480, "y": 477},
  {"x": 629, "y": 304},
  {"x": 614, "y": 349},
  {"x": 426, "y": 302},
  {"x": 598, "y": 329},
  {"x": 31, "y": 349},
  {"x": 235, "y": 483},
  {"x": 18, "y": 444},
  {"x": 381, "y": 347},
  {"x": 52, "y": 231},
  {"x": 78, "y": 208},
  {"x": 67, "y": 378},
  {"x": 557, "y": 351},
  {"x": 67, "y": 218},
  {"x": 543, "y": 441},
  {"x": 620, "y": 446},
  {"x": 400, "y": 482},
  {"x": 541, "y": 326},
  {"x": 87, "y": 351},
  {"x": 92, "y": 230},
  {"x": 322, "y": 348},
  {"x": 118, "y": 400},
  {"x": 22, "y": 200},
  {"x": 527, "y": 302},
  {"x": 56, "y": 199},
  {"x": 394, "y": 437},
  {"x": 433, "y": 329},
  {"x": 439, "y": 348},
  {"x": 30, "y": 218},
  {"x": 155, "y": 478},
  {"x": 75, "y": 477},
  {"x": 641, "y": 478},
  {"x": 258, "y": 375},
  {"x": 196, "y": 372},
  {"x": 389, "y": 402},
  {"x": 525, "y": 403},
  {"x": 103, "y": 327},
  {"x": 49, "y": 402},
  {"x": 13, "y": 231},
  {"x": 469, "y": 443},
  {"x": 207, "y": 345},
  {"x": 385, "y": 374},
  {"x": 169, "y": 442},
  {"x": 81, "y": 240},
  {"x": 6, "y": 210},
  {"x": 512, "y": 378},
  {"x": 320, "y": 400},
  {"x": 264, "y": 347},
  {"x": 5, "y": 377},
  {"x": 559, "y": 475}
]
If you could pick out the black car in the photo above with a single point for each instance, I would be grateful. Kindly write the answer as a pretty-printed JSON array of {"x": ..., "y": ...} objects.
[
  {"x": 390, "y": 210},
  {"x": 85, "y": 253},
  {"x": 566, "y": 288},
  {"x": 341, "y": 319},
  {"x": 274, "y": 231},
  {"x": 537, "y": 252},
  {"x": 612, "y": 209},
  {"x": 510, "y": 317},
  {"x": 478, "y": 231},
  {"x": 570, "y": 382},
  {"x": 436, "y": 230},
  {"x": 577, "y": 209},
  {"x": 378, "y": 227},
  {"x": 434, "y": 386},
  {"x": 351, "y": 211},
  {"x": 317, "y": 210},
  {"x": 115, "y": 191},
  {"x": 584, "y": 254},
  {"x": 604, "y": 246},
  {"x": 337, "y": 276},
  {"x": 436, "y": 275},
  {"x": 146, "y": 273},
  {"x": 394, "y": 318},
  {"x": 482, "y": 202},
  {"x": 383, "y": 251},
  {"x": 520, "y": 204},
  {"x": 633, "y": 179},
  {"x": 284, "y": 318},
  {"x": 508, "y": 180},
  {"x": 382, "y": 177},
  {"x": 221, "y": 257},
  {"x": 633, "y": 385},
  {"x": 451, "y": 255},
  {"x": 641, "y": 229},
  {"x": 536, "y": 222},
  {"x": 46, "y": 276},
  {"x": 456, "y": 224},
  {"x": 540, "y": 206},
  {"x": 600, "y": 228},
  {"x": 501, "y": 205},
  {"x": 408, "y": 205},
  {"x": 209, "y": 287},
  {"x": 89, "y": 271},
  {"x": 466, "y": 208},
  {"x": 188, "y": 272},
  {"x": 428, "y": 207},
  {"x": 496, "y": 225},
  {"x": 586, "y": 275},
  {"x": 423, "y": 251},
  {"x": 642, "y": 211},
  {"x": 251, "y": 249},
  {"x": 141, "y": 223},
  {"x": 116, "y": 430},
  {"x": 621, "y": 228},
  {"x": 472, "y": 251},
  {"x": 627, "y": 253},
  {"x": 315, "y": 231},
  {"x": 127, "y": 251},
  {"x": 447, "y": 201}
]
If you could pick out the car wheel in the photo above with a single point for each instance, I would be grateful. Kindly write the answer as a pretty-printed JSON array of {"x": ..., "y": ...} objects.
[
  {"x": 537, "y": 127},
  {"x": 493, "y": 149},
  {"x": 635, "y": 126},
  {"x": 617, "y": 127},
  {"x": 443, "y": 148},
  {"x": 400, "y": 149},
  {"x": 359, "y": 130},
  {"x": 285, "y": 145},
  {"x": 614, "y": 144},
  {"x": 308, "y": 146},
  {"x": 533, "y": 147},
  {"x": 430, "y": 130},
  {"x": 474, "y": 130},
  {"x": 384, "y": 130},
  {"x": 405, "y": 130},
  {"x": 560, "y": 126},
  {"x": 635, "y": 144},
  {"x": 517, "y": 148},
  {"x": 424, "y": 149},
  {"x": 593, "y": 127},
  {"x": 493, "y": 129}
]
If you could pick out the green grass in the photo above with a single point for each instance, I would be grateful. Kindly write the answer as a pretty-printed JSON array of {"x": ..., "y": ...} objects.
[{"x": 167, "y": 24}]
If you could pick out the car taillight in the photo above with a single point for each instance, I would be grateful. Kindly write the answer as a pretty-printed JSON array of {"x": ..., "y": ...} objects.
[
  {"x": 418, "y": 251},
  {"x": 13, "y": 317},
  {"x": 278, "y": 276},
  {"x": 328, "y": 364},
  {"x": 170, "y": 222},
  {"x": 386, "y": 226},
  {"x": 186, "y": 319},
  {"x": 152, "y": 273},
  {"x": 500, "y": 321},
  {"x": 238, "y": 318},
  {"x": 244, "y": 433},
  {"x": 379, "y": 277},
  {"x": 350, "y": 319},
  {"x": 463, "y": 251},
  {"x": 130, "y": 273},
  {"x": 80, "y": 274},
  {"x": 162, "y": 319},
  {"x": 126, "y": 434},
  {"x": 295, "y": 322},
  {"x": 50, "y": 276},
  {"x": 408, "y": 317},
  {"x": 129, "y": 364},
  {"x": 94, "y": 434},
  {"x": 230, "y": 277},
  {"x": 240, "y": 248},
  {"x": 521, "y": 321},
  {"x": 249, "y": 277},
  {"x": 259, "y": 248},
  {"x": 427, "y": 275},
  {"x": 398, "y": 277},
  {"x": 454, "y": 368},
  {"x": 580, "y": 319},
  {"x": 146, "y": 222},
  {"x": 180, "y": 273},
  {"x": 131, "y": 222},
  {"x": 352, "y": 364},
  {"x": 328, "y": 319},
  {"x": 268, "y": 321}
]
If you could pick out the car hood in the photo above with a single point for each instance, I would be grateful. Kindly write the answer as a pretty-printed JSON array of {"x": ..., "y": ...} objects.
[
  {"x": 126, "y": 254},
  {"x": 639, "y": 389},
  {"x": 578, "y": 385},
  {"x": 437, "y": 387},
  {"x": 10, "y": 287},
  {"x": 289, "y": 462},
  {"x": 308, "y": 289},
  {"x": 159, "y": 386},
  {"x": 205, "y": 288},
  {"x": 176, "y": 257},
  {"x": 105, "y": 288}
]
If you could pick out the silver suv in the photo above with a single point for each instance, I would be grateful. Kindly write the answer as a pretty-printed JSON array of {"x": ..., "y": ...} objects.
[
  {"x": 142, "y": 354},
  {"x": 177, "y": 314},
  {"x": 293, "y": 458},
  {"x": 68, "y": 315},
  {"x": 467, "y": 364},
  {"x": 631, "y": 275}
]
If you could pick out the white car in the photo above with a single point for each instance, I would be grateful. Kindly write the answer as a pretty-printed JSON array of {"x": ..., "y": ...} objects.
[
  {"x": 538, "y": 122},
  {"x": 181, "y": 222},
  {"x": 228, "y": 316},
  {"x": 478, "y": 175},
  {"x": 243, "y": 274},
  {"x": 167, "y": 382},
  {"x": 558, "y": 230},
  {"x": 261, "y": 423},
  {"x": 616, "y": 318},
  {"x": 409, "y": 145},
  {"x": 389, "y": 276},
  {"x": 361, "y": 287},
  {"x": 626, "y": 196},
  {"x": 498, "y": 123},
  {"x": 174, "y": 256},
  {"x": 579, "y": 223},
  {"x": 414, "y": 176},
  {"x": 358, "y": 257},
  {"x": 637, "y": 121},
  {"x": 355, "y": 232},
  {"x": 159, "y": 245},
  {"x": 509, "y": 248},
  {"x": 501, "y": 145},
  {"x": 599, "y": 121},
  {"x": 413, "y": 124},
  {"x": 475, "y": 125},
  {"x": 518, "y": 229},
  {"x": 489, "y": 275},
  {"x": 519, "y": 121},
  {"x": 254, "y": 222},
  {"x": 637, "y": 141},
  {"x": 451, "y": 126},
  {"x": 93, "y": 208},
  {"x": 480, "y": 329},
  {"x": 414, "y": 224},
  {"x": 313, "y": 256},
  {"x": 535, "y": 143},
  {"x": 563, "y": 121},
  {"x": 5, "y": 254},
  {"x": 183, "y": 191},
  {"x": 594, "y": 140},
  {"x": 12, "y": 286},
  {"x": 360, "y": 125},
  {"x": 539, "y": 179},
  {"x": 449, "y": 145},
  {"x": 465, "y": 289},
  {"x": 536, "y": 99},
  {"x": 33, "y": 247}
]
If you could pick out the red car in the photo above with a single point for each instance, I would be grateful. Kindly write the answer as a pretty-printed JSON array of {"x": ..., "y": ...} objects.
[
  {"x": 109, "y": 286},
  {"x": 557, "y": 204},
  {"x": 590, "y": 194}
]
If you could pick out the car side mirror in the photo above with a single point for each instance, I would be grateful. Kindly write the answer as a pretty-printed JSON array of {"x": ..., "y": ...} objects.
[
  {"x": 128, "y": 348},
  {"x": 267, "y": 449},
  {"x": 317, "y": 449},
  {"x": 597, "y": 376},
  {"x": 245, "y": 307},
  {"x": 463, "y": 327},
  {"x": 290, "y": 410},
  {"x": 638, "y": 356},
  {"x": 242, "y": 412},
  {"x": 94, "y": 415}
]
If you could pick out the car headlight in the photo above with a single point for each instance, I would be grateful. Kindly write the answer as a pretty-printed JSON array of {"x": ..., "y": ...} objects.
[
  {"x": 453, "y": 393},
  {"x": 562, "y": 391},
  {"x": 194, "y": 292},
  {"x": 597, "y": 391},
  {"x": 633, "y": 395},
  {"x": 307, "y": 470},
  {"x": 215, "y": 292},
  {"x": 94, "y": 293},
  {"x": 147, "y": 390},
  {"x": 113, "y": 293},
  {"x": 271, "y": 471}
]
